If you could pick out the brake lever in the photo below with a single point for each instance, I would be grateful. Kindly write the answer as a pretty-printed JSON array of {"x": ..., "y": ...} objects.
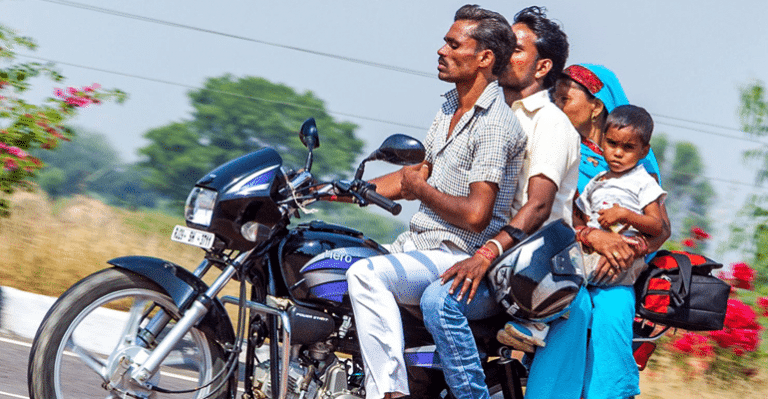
[{"x": 352, "y": 188}]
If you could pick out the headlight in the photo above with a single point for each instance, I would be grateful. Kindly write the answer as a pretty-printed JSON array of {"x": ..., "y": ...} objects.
[{"x": 199, "y": 206}]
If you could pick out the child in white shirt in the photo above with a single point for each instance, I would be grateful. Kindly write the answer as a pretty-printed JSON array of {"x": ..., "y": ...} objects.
[{"x": 623, "y": 199}]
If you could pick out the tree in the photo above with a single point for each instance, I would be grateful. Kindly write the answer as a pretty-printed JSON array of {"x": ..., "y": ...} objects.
[
  {"x": 25, "y": 126},
  {"x": 89, "y": 164},
  {"x": 79, "y": 161},
  {"x": 233, "y": 117},
  {"x": 749, "y": 233},
  {"x": 689, "y": 195}
]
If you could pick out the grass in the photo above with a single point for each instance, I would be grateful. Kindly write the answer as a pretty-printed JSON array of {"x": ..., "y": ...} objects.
[{"x": 45, "y": 247}]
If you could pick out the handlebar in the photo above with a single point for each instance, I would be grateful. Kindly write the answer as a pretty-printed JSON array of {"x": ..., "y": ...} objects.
[
  {"x": 377, "y": 199},
  {"x": 366, "y": 193}
]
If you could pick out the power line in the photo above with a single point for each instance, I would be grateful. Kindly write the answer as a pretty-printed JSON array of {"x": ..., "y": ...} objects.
[
  {"x": 421, "y": 128},
  {"x": 187, "y": 86},
  {"x": 344, "y": 58},
  {"x": 701, "y": 123},
  {"x": 244, "y": 38},
  {"x": 730, "y": 136}
]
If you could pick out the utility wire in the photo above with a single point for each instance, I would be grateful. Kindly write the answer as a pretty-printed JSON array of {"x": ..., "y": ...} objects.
[
  {"x": 700, "y": 123},
  {"x": 368, "y": 118},
  {"x": 730, "y": 136},
  {"x": 187, "y": 86},
  {"x": 350, "y": 59},
  {"x": 244, "y": 38},
  {"x": 422, "y": 128}
]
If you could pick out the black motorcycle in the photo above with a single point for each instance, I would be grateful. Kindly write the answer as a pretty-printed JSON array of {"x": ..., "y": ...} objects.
[{"x": 147, "y": 328}]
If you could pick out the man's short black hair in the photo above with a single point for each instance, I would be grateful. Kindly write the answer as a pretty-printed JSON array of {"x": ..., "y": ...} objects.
[
  {"x": 632, "y": 116},
  {"x": 551, "y": 41},
  {"x": 492, "y": 32}
]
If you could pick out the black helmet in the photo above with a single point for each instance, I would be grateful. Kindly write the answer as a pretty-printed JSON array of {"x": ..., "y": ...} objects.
[{"x": 538, "y": 278}]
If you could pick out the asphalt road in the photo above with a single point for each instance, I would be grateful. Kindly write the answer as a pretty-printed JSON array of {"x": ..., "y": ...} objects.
[
  {"x": 80, "y": 381},
  {"x": 13, "y": 367}
]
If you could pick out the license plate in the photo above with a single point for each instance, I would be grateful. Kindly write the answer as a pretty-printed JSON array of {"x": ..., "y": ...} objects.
[{"x": 198, "y": 238}]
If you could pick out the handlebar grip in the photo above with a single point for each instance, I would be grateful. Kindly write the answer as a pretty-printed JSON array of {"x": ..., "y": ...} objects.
[{"x": 382, "y": 201}]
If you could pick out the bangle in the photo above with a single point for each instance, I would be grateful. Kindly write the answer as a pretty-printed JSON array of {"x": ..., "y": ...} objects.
[
  {"x": 582, "y": 234},
  {"x": 486, "y": 253},
  {"x": 497, "y": 244}
]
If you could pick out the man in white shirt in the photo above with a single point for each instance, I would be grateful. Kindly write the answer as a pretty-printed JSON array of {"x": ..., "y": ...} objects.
[{"x": 545, "y": 192}]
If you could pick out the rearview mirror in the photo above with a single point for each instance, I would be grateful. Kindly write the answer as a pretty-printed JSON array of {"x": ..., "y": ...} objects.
[
  {"x": 398, "y": 149},
  {"x": 308, "y": 134},
  {"x": 310, "y": 138}
]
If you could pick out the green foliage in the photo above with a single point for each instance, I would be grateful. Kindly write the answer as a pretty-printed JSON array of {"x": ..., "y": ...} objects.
[
  {"x": 749, "y": 232},
  {"x": 233, "y": 117},
  {"x": 27, "y": 126},
  {"x": 89, "y": 164},
  {"x": 689, "y": 195}
]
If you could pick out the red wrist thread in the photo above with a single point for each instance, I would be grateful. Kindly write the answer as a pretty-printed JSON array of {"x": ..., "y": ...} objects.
[{"x": 486, "y": 253}]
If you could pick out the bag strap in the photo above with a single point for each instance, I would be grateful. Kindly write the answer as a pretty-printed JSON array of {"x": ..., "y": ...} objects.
[{"x": 685, "y": 267}]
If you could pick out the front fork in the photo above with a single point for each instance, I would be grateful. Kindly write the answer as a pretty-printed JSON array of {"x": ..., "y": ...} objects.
[
  {"x": 142, "y": 372},
  {"x": 191, "y": 317},
  {"x": 161, "y": 319}
]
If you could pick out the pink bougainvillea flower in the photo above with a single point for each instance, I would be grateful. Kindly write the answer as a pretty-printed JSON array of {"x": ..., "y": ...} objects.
[
  {"x": 17, "y": 152},
  {"x": 72, "y": 90},
  {"x": 725, "y": 275},
  {"x": 693, "y": 344},
  {"x": 78, "y": 101},
  {"x": 738, "y": 315},
  {"x": 689, "y": 243},
  {"x": 744, "y": 275},
  {"x": 10, "y": 164},
  {"x": 58, "y": 93},
  {"x": 762, "y": 302},
  {"x": 698, "y": 233},
  {"x": 96, "y": 86}
]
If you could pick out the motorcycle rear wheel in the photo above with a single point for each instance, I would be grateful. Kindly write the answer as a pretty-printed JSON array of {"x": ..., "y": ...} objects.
[{"x": 78, "y": 345}]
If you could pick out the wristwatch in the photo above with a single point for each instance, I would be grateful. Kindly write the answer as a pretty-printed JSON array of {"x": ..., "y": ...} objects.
[{"x": 515, "y": 233}]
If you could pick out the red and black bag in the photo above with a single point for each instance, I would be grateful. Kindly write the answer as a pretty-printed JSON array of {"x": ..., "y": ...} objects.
[{"x": 679, "y": 290}]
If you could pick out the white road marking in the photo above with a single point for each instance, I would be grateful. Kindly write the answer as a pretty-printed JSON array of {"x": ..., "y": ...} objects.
[
  {"x": 29, "y": 345},
  {"x": 15, "y": 342},
  {"x": 12, "y": 395}
]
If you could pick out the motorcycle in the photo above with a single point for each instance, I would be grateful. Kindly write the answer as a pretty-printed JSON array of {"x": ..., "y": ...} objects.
[{"x": 148, "y": 328}]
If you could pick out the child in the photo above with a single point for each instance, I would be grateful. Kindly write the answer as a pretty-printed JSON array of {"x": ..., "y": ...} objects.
[{"x": 623, "y": 199}]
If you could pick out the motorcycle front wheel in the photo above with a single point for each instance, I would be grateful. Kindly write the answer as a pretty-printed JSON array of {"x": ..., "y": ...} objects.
[{"x": 93, "y": 331}]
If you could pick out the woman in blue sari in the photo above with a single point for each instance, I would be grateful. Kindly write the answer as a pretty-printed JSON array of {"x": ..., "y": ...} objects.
[{"x": 587, "y": 93}]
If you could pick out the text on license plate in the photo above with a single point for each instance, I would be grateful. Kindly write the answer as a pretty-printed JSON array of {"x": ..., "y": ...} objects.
[{"x": 198, "y": 238}]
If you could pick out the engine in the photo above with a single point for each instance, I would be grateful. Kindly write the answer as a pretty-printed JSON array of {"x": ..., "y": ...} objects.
[{"x": 315, "y": 372}]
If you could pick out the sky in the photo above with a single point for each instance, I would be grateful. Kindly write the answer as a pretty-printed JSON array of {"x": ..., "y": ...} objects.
[{"x": 683, "y": 61}]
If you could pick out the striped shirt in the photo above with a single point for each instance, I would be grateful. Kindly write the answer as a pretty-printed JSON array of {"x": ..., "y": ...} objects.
[{"x": 487, "y": 144}]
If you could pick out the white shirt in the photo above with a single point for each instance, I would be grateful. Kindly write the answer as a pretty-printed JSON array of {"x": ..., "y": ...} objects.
[
  {"x": 553, "y": 150},
  {"x": 634, "y": 190}
]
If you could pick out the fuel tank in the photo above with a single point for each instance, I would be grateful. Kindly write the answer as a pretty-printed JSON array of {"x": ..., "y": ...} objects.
[{"x": 314, "y": 259}]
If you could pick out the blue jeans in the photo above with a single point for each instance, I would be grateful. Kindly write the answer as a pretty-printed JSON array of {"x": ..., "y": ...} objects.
[
  {"x": 446, "y": 319},
  {"x": 557, "y": 370}
]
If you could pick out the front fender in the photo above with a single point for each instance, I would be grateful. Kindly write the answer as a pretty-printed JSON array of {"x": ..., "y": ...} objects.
[{"x": 183, "y": 287}]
